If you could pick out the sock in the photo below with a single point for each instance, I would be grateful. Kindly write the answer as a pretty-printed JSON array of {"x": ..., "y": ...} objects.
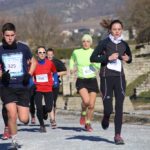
[
  {"x": 83, "y": 113},
  {"x": 88, "y": 121},
  {"x": 14, "y": 138}
]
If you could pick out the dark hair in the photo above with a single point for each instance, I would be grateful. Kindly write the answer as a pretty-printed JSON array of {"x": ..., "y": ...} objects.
[
  {"x": 8, "y": 27},
  {"x": 107, "y": 23},
  {"x": 40, "y": 47},
  {"x": 50, "y": 50},
  {"x": 115, "y": 21}
]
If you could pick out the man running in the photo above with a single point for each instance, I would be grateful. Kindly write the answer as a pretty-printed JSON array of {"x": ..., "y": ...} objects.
[{"x": 15, "y": 78}]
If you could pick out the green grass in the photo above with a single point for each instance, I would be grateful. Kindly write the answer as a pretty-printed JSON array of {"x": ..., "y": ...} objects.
[
  {"x": 145, "y": 94},
  {"x": 139, "y": 80}
]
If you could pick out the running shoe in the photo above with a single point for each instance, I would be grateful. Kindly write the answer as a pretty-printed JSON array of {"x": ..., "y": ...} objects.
[
  {"x": 33, "y": 120},
  {"x": 105, "y": 122},
  {"x": 53, "y": 124},
  {"x": 14, "y": 146},
  {"x": 118, "y": 140},
  {"x": 6, "y": 134},
  {"x": 42, "y": 129},
  {"x": 82, "y": 119},
  {"x": 88, "y": 127}
]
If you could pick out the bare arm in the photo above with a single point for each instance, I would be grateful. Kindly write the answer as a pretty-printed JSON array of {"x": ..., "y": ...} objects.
[
  {"x": 1, "y": 70},
  {"x": 33, "y": 65}
]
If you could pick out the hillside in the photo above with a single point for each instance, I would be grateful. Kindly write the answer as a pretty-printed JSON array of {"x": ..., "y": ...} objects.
[{"x": 69, "y": 10}]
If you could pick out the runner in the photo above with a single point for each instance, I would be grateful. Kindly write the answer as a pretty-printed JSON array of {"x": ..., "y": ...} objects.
[
  {"x": 15, "y": 78},
  {"x": 112, "y": 52},
  {"x": 86, "y": 83},
  {"x": 61, "y": 70},
  {"x": 44, "y": 83}
]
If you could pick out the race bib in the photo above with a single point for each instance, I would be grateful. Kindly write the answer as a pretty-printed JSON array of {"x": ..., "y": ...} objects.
[
  {"x": 88, "y": 70},
  {"x": 116, "y": 65},
  {"x": 42, "y": 78},
  {"x": 13, "y": 63}
]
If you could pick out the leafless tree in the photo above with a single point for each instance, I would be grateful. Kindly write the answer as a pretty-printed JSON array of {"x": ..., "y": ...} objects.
[
  {"x": 136, "y": 14},
  {"x": 5, "y": 18},
  {"x": 40, "y": 28}
]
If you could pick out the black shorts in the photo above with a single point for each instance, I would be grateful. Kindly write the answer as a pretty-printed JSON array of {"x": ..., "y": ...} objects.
[
  {"x": 90, "y": 84},
  {"x": 21, "y": 96}
]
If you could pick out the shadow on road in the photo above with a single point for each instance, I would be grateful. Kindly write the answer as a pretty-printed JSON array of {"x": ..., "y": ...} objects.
[
  {"x": 90, "y": 138},
  {"x": 21, "y": 125},
  {"x": 30, "y": 130},
  {"x": 4, "y": 146},
  {"x": 77, "y": 129}
]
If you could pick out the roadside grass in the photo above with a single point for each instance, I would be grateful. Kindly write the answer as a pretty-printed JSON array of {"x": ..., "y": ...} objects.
[{"x": 141, "y": 104}]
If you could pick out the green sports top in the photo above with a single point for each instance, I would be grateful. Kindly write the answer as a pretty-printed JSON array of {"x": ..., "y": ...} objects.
[{"x": 81, "y": 59}]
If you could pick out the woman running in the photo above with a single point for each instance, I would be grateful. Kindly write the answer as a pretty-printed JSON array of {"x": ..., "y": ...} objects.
[
  {"x": 112, "y": 52},
  {"x": 86, "y": 83},
  {"x": 44, "y": 83}
]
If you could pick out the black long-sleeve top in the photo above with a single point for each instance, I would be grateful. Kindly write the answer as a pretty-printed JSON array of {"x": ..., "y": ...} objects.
[{"x": 104, "y": 49}]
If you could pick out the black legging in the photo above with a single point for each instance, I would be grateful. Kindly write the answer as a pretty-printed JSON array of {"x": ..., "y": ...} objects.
[
  {"x": 55, "y": 95},
  {"x": 32, "y": 101},
  {"x": 4, "y": 111},
  {"x": 117, "y": 85},
  {"x": 5, "y": 116},
  {"x": 48, "y": 98}
]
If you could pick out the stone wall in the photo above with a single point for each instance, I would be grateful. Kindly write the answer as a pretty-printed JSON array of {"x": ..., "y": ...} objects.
[
  {"x": 138, "y": 67},
  {"x": 144, "y": 50}
]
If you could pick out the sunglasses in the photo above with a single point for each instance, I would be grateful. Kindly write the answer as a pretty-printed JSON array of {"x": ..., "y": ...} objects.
[
  {"x": 86, "y": 41},
  {"x": 41, "y": 52}
]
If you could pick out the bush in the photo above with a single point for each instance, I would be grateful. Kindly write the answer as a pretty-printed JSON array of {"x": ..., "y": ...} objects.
[
  {"x": 64, "y": 53},
  {"x": 144, "y": 36}
]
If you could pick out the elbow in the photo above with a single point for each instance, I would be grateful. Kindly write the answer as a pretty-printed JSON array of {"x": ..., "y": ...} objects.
[{"x": 91, "y": 59}]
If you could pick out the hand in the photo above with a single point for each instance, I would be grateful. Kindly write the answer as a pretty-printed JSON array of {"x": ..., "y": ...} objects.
[
  {"x": 26, "y": 79},
  {"x": 56, "y": 80},
  {"x": 114, "y": 56},
  {"x": 125, "y": 57},
  {"x": 5, "y": 78},
  {"x": 73, "y": 71}
]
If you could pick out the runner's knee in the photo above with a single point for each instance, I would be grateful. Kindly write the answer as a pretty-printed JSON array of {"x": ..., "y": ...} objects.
[
  {"x": 86, "y": 103},
  {"x": 108, "y": 107},
  {"x": 49, "y": 109},
  {"x": 24, "y": 120},
  {"x": 91, "y": 106}
]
